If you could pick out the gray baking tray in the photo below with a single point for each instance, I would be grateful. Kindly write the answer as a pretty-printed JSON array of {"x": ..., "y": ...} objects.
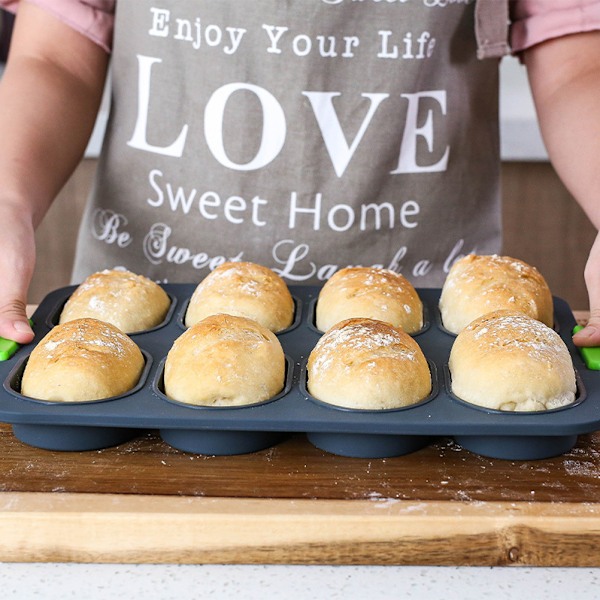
[{"x": 239, "y": 430}]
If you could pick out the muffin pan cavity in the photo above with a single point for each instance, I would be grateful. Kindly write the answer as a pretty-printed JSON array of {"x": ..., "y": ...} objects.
[{"x": 240, "y": 430}]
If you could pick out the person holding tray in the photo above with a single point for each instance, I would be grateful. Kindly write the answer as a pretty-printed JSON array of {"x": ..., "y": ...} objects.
[{"x": 304, "y": 136}]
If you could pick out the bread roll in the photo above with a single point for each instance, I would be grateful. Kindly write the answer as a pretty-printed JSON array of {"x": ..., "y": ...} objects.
[
  {"x": 477, "y": 285},
  {"x": 508, "y": 361},
  {"x": 368, "y": 364},
  {"x": 130, "y": 302},
  {"x": 225, "y": 360},
  {"x": 243, "y": 289},
  {"x": 369, "y": 292},
  {"x": 80, "y": 361}
]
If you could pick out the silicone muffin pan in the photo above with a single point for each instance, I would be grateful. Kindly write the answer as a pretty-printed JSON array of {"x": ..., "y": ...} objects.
[{"x": 239, "y": 430}]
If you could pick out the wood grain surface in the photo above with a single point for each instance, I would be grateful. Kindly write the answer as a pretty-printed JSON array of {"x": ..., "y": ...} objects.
[
  {"x": 144, "y": 502},
  {"x": 295, "y": 469}
]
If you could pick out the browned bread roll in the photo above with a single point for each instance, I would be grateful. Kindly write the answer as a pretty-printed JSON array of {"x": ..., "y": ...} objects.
[
  {"x": 368, "y": 364},
  {"x": 243, "y": 289},
  {"x": 479, "y": 284},
  {"x": 130, "y": 302},
  {"x": 82, "y": 360},
  {"x": 225, "y": 360},
  {"x": 369, "y": 292},
  {"x": 509, "y": 361}
]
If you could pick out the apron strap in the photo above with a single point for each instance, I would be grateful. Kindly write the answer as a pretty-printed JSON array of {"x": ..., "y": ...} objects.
[{"x": 491, "y": 28}]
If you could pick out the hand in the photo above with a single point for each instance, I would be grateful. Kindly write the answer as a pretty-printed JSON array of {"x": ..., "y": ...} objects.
[
  {"x": 17, "y": 259},
  {"x": 590, "y": 335}
]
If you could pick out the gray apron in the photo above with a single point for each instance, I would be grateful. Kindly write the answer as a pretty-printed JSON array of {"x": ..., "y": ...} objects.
[{"x": 305, "y": 135}]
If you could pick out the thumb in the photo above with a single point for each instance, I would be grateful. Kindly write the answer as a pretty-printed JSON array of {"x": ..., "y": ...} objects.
[
  {"x": 590, "y": 334},
  {"x": 17, "y": 261},
  {"x": 14, "y": 324}
]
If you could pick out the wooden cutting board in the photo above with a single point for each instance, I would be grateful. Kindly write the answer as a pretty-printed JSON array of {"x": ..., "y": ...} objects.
[{"x": 144, "y": 502}]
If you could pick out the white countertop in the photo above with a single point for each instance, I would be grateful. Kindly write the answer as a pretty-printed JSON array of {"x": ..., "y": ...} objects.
[{"x": 180, "y": 582}]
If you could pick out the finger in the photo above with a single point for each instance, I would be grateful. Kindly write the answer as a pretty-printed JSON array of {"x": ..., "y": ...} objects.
[
  {"x": 17, "y": 262},
  {"x": 14, "y": 324},
  {"x": 590, "y": 334}
]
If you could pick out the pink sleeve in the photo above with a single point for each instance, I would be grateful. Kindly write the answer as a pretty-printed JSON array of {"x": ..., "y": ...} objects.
[
  {"x": 92, "y": 18},
  {"x": 535, "y": 21}
]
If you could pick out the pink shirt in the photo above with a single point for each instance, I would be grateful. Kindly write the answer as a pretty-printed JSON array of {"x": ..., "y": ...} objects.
[
  {"x": 92, "y": 18},
  {"x": 532, "y": 21}
]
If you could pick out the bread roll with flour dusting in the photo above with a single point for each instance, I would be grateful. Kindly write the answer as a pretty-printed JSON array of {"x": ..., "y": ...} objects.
[
  {"x": 129, "y": 301},
  {"x": 80, "y": 361},
  {"x": 225, "y": 360},
  {"x": 368, "y": 364},
  {"x": 509, "y": 361},
  {"x": 479, "y": 284},
  {"x": 243, "y": 289},
  {"x": 369, "y": 292}
]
